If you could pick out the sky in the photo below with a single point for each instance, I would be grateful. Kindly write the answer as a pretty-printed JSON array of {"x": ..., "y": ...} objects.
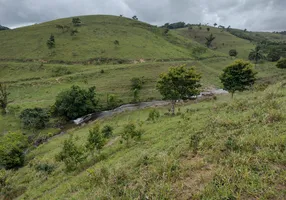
[{"x": 255, "y": 15}]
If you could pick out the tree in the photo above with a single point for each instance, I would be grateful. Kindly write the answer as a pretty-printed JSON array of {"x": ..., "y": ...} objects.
[
  {"x": 228, "y": 28},
  {"x": 76, "y": 21},
  {"x": 256, "y": 54},
  {"x": 12, "y": 146},
  {"x": 245, "y": 30},
  {"x": 273, "y": 55},
  {"x": 208, "y": 29},
  {"x": 238, "y": 77},
  {"x": 60, "y": 27},
  {"x": 281, "y": 63},
  {"x": 215, "y": 24},
  {"x": 51, "y": 43},
  {"x": 233, "y": 53},
  {"x": 116, "y": 42},
  {"x": 36, "y": 118},
  {"x": 95, "y": 139},
  {"x": 209, "y": 39},
  {"x": 179, "y": 83},
  {"x": 113, "y": 101},
  {"x": 135, "y": 17},
  {"x": 166, "y": 31},
  {"x": 4, "y": 97},
  {"x": 71, "y": 154},
  {"x": 75, "y": 102}
]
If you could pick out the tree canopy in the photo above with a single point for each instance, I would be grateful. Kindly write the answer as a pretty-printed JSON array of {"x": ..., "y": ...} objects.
[
  {"x": 179, "y": 83},
  {"x": 75, "y": 102},
  {"x": 239, "y": 76}
]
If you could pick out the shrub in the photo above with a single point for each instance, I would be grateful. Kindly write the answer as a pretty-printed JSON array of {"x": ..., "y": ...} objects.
[
  {"x": 113, "y": 101},
  {"x": 233, "y": 53},
  {"x": 60, "y": 71},
  {"x": 273, "y": 56},
  {"x": 71, "y": 154},
  {"x": 153, "y": 115},
  {"x": 137, "y": 83},
  {"x": 95, "y": 139},
  {"x": 44, "y": 167},
  {"x": 130, "y": 132},
  {"x": 75, "y": 102},
  {"x": 12, "y": 146},
  {"x": 107, "y": 131},
  {"x": 282, "y": 63},
  {"x": 34, "y": 118}
]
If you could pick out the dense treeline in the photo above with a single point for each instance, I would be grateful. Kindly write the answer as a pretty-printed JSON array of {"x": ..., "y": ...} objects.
[{"x": 2, "y": 28}]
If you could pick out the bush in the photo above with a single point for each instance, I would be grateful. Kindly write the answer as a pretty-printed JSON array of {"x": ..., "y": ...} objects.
[
  {"x": 95, "y": 139},
  {"x": 12, "y": 146},
  {"x": 282, "y": 63},
  {"x": 233, "y": 53},
  {"x": 71, "y": 154},
  {"x": 113, "y": 101},
  {"x": 107, "y": 131},
  {"x": 273, "y": 56},
  {"x": 75, "y": 102},
  {"x": 34, "y": 118},
  {"x": 130, "y": 132},
  {"x": 137, "y": 83},
  {"x": 153, "y": 115},
  {"x": 60, "y": 71}
]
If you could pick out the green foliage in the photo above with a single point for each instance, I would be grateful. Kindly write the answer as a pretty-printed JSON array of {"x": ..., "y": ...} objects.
[
  {"x": 256, "y": 54},
  {"x": 208, "y": 29},
  {"x": 198, "y": 51},
  {"x": 175, "y": 25},
  {"x": 153, "y": 115},
  {"x": 74, "y": 32},
  {"x": 4, "y": 97},
  {"x": 107, "y": 131},
  {"x": 137, "y": 83},
  {"x": 209, "y": 39},
  {"x": 12, "y": 146},
  {"x": 281, "y": 63},
  {"x": 113, "y": 101},
  {"x": 96, "y": 139},
  {"x": 51, "y": 43},
  {"x": 238, "y": 77},
  {"x": 116, "y": 42},
  {"x": 194, "y": 143},
  {"x": 36, "y": 118},
  {"x": 75, "y": 102},
  {"x": 273, "y": 55},
  {"x": 135, "y": 17},
  {"x": 233, "y": 53},
  {"x": 60, "y": 71},
  {"x": 130, "y": 132},
  {"x": 71, "y": 154},
  {"x": 76, "y": 21},
  {"x": 179, "y": 83}
]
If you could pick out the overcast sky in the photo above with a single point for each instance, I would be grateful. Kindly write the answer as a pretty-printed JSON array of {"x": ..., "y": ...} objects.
[{"x": 256, "y": 15}]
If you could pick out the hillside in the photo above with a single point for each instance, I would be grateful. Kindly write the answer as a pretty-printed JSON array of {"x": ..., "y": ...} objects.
[
  {"x": 95, "y": 40},
  {"x": 213, "y": 149}
]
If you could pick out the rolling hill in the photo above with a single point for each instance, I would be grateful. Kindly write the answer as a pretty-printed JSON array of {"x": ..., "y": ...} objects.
[{"x": 214, "y": 148}]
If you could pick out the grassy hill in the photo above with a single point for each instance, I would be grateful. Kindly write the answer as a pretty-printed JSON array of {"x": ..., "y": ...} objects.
[
  {"x": 211, "y": 150},
  {"x": 223, "y": 42},
  {"x": 95, "y": 40}
]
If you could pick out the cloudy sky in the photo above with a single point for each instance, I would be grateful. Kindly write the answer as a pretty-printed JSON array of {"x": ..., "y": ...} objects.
[{"x": 262, "y": 15}]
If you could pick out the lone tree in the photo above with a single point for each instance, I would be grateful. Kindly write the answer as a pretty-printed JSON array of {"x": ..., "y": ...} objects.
[
  {"x": 51, "y": 43},
  {"x": 233, "y": 53},
  {"x": 76, "y": 21},
  {"x": 135, "y": 17},
  {"x": 281, "y": 63},
  {"x": 238, "y": 77},
  {"x": 215, "y": 24},
  {"x": 256, "y": 55},
  {"x": 4, "y": 97},
  {"x": 179, "y": 83},
  {"x": 75, "y": 102},
  {"x": 209, "y": 41},
  {"x": 208, "y": 29},
  {"x": 136, "y": 86}
]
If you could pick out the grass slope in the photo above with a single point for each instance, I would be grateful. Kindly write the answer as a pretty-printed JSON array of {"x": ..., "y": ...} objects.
[
  {"x": 224, "y": 40},
  {"x": 137, "y": 40},
  {"x": 241, "y": 155}
]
